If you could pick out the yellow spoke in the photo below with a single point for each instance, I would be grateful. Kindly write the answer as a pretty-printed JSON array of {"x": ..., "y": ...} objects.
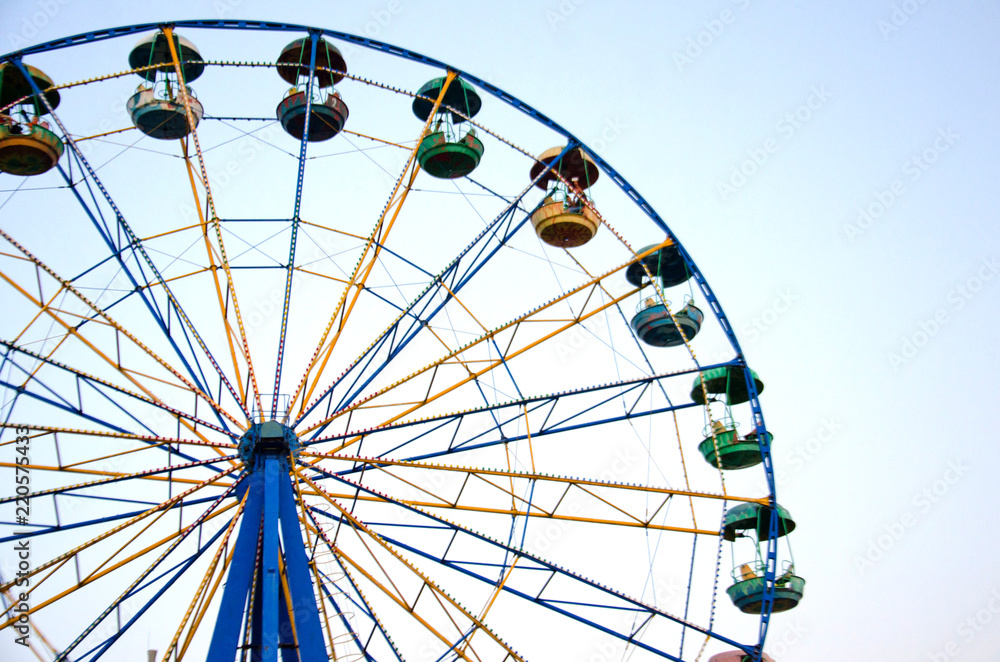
[
  {"x": 355, "y": 282},
  {"x": 377, "y": 463},
  {"x": 132, "y": 394},
  {"x": 93, "y": 573},
  {"x": 311, "y": 531},
  {"x": 378, "y": 140},
  {"x": 102, "y": 135},
  {"x": 493, "y": 597},
  {"x": 96, "y": 472},
  {"x": 359, "y": 526},
  {"x": 152, "y": 547},
  {"x": 118, "y": 435},
  {"x": 319, "y": 275},
  {"x": 482, "y": 339},
  {"x": 119, "y": 328},
  {"x": 166, "y": 505},
  {"x": 231, "y": 289},
  {"x": 335, "y": 230},
  {"x": 206, "y": 579},
  {"x": 200, "y": 225},
  {"x": 42, "y": 310}
]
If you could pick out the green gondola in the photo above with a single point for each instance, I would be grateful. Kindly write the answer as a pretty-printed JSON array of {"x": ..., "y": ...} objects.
[
  {"x": 756, "y": 517},
  {"x": 748, "y": 593},
  {"x": 727, "y": 380},
  {"x": 448, "y": 152},
  {"x": 734, "y": 452}
]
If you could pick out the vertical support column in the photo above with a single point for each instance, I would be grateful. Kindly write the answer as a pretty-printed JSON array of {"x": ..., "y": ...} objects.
[
  {"x": 270, "y": 579},
  {"x": 234, "y": 598},
  {"x": 307, "y": 625},
  {"x": 287, "y": 649}
]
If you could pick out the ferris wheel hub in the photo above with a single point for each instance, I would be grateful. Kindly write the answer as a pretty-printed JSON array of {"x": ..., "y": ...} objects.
[{"x": 269, "y": 438}]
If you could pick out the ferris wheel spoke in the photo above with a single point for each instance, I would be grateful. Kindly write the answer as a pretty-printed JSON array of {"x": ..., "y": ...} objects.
[
  {"x": 517, "y": 494},
  {"x": 139, "y": 279},
  {"x": 297, "y": 206},
  {"x": 59, "y": 528},
  {"x": 358, "y": 599},
  {"x": 180, "y": 537},
  {"x": 451, "y": 607},
  {"x": 379, "y": 233},
  {"x": 75, "y": 331},
  {"x": 112, "y": 477},
  {"x": 324, "y": 582},
  {"x": 153, "y": 440},
  {"x": 168, "y": 577},
  {"x": 489, "y": 425},
  {"x": 104, "y": 570},
  {"x": 214, "y": 218},
  {"x": 204, "y": 594},
  {"x": 362, "y": 603},
  {"x": 501, "y": 228},
  {"x": 604, "y": 597},
  {"x": 395, "y": 338},
  {"x": 533, "y": 316},
  {"x": 317, "y": 576},
  {"x": 602, "y": 490},
  {"x": 98, "y": 384},
  {"x": 165, "y": 505}
]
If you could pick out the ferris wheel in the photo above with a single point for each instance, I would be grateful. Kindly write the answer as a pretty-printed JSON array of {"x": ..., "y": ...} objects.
[{"x": 317, "y": 348}]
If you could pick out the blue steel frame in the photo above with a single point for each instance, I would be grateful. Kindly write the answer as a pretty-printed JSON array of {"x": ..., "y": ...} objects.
[
  {"x": 270, "y": 510},
  {"x": 270, "y": 491}
]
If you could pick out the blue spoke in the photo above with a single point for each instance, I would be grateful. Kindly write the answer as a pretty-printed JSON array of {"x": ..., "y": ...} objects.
[
  {"x": 287, "y": 300},
  {"x": 118, "y": 479},
  {"x": 187, "y": 531},
  {"x": 100, "y": 520},
  {"x": 628, "y": 603},
  {"x": 136, "y": 245}
]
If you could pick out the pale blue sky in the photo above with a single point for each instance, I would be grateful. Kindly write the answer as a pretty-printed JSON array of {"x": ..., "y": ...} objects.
[{"x": 842, "y": 105}]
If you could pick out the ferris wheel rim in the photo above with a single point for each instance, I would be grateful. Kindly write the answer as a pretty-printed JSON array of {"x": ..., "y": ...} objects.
[{"x": 638, "y": 200}]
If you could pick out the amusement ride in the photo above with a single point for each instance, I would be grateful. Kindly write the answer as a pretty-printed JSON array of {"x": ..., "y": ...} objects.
[{"x": 282, "y": 380}]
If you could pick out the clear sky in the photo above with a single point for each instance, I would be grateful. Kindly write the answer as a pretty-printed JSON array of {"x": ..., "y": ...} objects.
[{"x": 832, "y": 169}]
